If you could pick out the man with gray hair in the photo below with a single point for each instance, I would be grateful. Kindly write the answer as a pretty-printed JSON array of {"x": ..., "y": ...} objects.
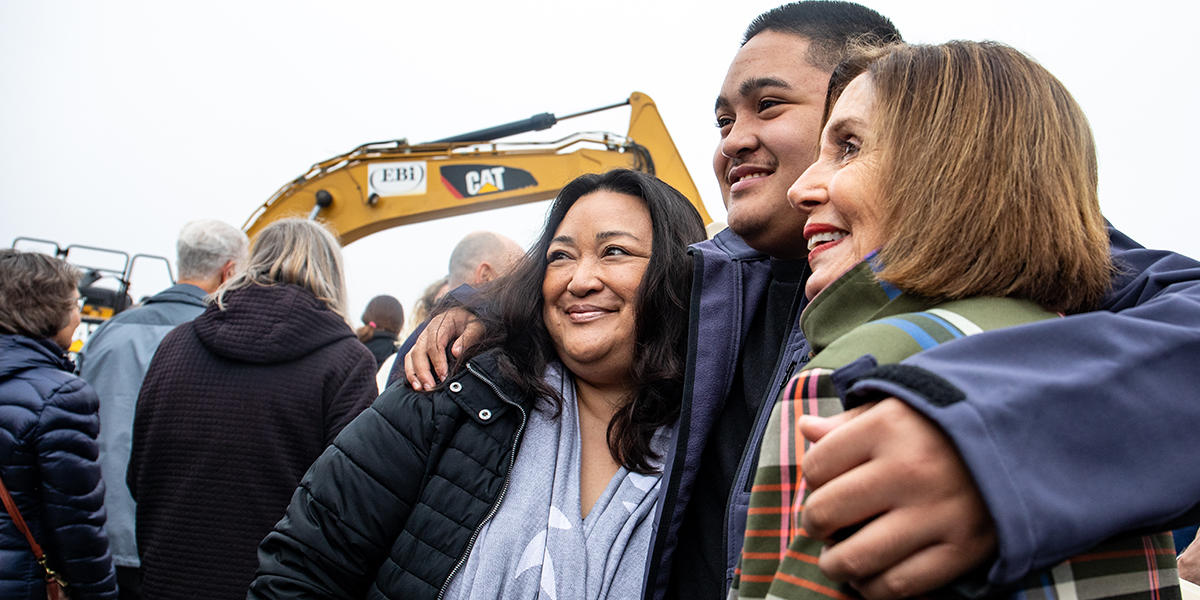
[
  {"x": 478, "y": 258},
  {"x": 116, "y": 357}
]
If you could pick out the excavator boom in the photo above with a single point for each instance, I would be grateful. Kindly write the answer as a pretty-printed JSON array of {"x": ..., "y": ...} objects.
[{"x": 387, "y": 184}]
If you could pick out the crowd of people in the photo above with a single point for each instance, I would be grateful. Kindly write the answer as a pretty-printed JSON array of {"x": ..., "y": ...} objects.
[{"x": 918, "y": 362}]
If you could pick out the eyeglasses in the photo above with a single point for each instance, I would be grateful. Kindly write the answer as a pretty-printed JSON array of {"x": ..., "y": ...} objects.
[{"x": 81, "y": 301}]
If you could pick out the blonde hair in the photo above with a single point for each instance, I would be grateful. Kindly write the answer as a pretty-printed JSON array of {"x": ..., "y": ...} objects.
[
  {"x": 296, "y": 251},
  {"x": 988, "y": 176}
]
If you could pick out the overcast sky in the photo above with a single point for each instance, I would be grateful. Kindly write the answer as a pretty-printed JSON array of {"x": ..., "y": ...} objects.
[{"x": 121, "y": 120}]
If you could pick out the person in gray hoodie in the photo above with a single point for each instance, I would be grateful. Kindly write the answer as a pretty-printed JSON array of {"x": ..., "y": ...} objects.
[{"x": 117, "y": 354}]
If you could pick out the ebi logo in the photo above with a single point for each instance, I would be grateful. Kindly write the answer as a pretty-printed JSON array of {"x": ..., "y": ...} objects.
[{"x": 397, "y": 178}]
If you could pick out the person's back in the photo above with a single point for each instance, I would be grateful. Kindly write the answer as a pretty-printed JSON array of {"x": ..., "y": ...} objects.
[
  {"x": 235, "y": 406},
  {"x": 115, "y": 359},
  {"x": 383, "y": 319},
  {"x": 48, "y": 428}
]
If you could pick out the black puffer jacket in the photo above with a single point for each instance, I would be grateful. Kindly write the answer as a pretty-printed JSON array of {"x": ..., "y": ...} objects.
[
  {"x": 391, "y": 508},
  {"x": 48, "y": 428}
]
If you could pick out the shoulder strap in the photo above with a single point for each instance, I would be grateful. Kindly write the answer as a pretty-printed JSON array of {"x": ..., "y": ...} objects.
[
  {"x": 11, "y": 506},
  {"x": 19, "y": 521}
]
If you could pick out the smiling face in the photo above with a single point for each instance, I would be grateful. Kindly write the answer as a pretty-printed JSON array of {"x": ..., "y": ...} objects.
[
  {"x": 769, "y": 113},
  {"x": 595, "y": 264},
  {"x": 839, "y": 194}
]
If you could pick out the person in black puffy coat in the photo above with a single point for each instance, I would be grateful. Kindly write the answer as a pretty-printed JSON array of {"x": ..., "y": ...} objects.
[
  {"x": 532, "y": 471},
  {"x": 49, "y": 421},
  {"x": 235, "y": 406}
]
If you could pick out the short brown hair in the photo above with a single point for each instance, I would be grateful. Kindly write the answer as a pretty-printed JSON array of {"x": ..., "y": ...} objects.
[
  {"x": 988, "y": 176},
  {"x": 36, "y": 293}
]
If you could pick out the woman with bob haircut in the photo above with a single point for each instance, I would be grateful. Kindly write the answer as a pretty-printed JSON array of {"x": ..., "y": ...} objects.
[
  {"x": 49, "y": 421},
  {"x": 236, "y": 405},
  {"x": 955, "y": 192},
  {"x": 534, "y": 469}
]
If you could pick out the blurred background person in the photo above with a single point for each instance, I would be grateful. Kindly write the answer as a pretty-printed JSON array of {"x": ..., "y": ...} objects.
[
  {"x": 235, "y": 406},
  {"x": 554, "y": 426},
  {"x": 116, "y": 357},
  {"x": 424, "y": 308},
  {"x": 383, "y": 318},
  {"x": 479, "y": 258},
  {"x": 48, "y": 428},
  {"x": 424, "y": 305}
]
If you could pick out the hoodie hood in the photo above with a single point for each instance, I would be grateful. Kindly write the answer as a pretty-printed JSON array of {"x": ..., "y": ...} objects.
[
  {"x": 18, "y": 353},
  {"x": 269, "y": 324}
]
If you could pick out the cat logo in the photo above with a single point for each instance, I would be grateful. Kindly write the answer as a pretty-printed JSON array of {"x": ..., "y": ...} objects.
[{"x": 465, "y": 181}]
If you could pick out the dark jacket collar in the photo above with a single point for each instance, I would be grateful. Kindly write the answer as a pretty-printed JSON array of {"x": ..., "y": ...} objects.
[
  {"x": 180, "y": 292},
  {"x": 18, "y": 352}
]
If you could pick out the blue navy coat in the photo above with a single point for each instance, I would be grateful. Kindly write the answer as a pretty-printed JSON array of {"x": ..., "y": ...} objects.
[{"x": 48, "y": 452}]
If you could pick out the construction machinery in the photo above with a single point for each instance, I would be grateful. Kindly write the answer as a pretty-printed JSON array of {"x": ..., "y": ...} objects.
[
  {"x": 104, "y": 286},
  {"x": 381, "y": 185}
]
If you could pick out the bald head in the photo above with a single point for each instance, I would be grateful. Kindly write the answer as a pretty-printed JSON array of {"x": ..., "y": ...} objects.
[{"x": 481, "y": 257}]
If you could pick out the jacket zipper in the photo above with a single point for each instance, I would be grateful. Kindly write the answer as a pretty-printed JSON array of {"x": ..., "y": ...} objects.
[
  {"x": 764, "y": 416},
  {"x": 503, "y": 489},
  {"x": 753, "y": 443}
]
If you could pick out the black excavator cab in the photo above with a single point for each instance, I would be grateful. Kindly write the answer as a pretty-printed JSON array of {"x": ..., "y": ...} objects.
[{"x": 104, "y": 286}]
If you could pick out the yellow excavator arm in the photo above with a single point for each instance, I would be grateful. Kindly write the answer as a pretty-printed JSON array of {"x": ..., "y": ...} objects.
[{"x": 387, "y": 184}]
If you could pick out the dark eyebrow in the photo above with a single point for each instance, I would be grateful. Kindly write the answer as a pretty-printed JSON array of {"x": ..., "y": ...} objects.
[
  {"x": 600, "y": 236},
  {"x": 758, "y": 83},
  {"x": 752, "y": 85},
  {"x": 608, "y": 235}
]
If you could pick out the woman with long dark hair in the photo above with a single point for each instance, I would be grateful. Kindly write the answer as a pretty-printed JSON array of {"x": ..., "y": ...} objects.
[{"x": 534, "y": 468}]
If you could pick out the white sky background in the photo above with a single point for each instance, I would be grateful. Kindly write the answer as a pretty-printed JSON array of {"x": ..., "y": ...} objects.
[{"x": 122, "y": 120}]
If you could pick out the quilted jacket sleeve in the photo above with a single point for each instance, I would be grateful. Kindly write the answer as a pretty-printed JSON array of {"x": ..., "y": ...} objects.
[
  {"x": 352, "y": 392},
  {"x": 72, "y": 490},
  {"x": 1053, "y": 415},
  {"x": 351, "y": 505}
]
